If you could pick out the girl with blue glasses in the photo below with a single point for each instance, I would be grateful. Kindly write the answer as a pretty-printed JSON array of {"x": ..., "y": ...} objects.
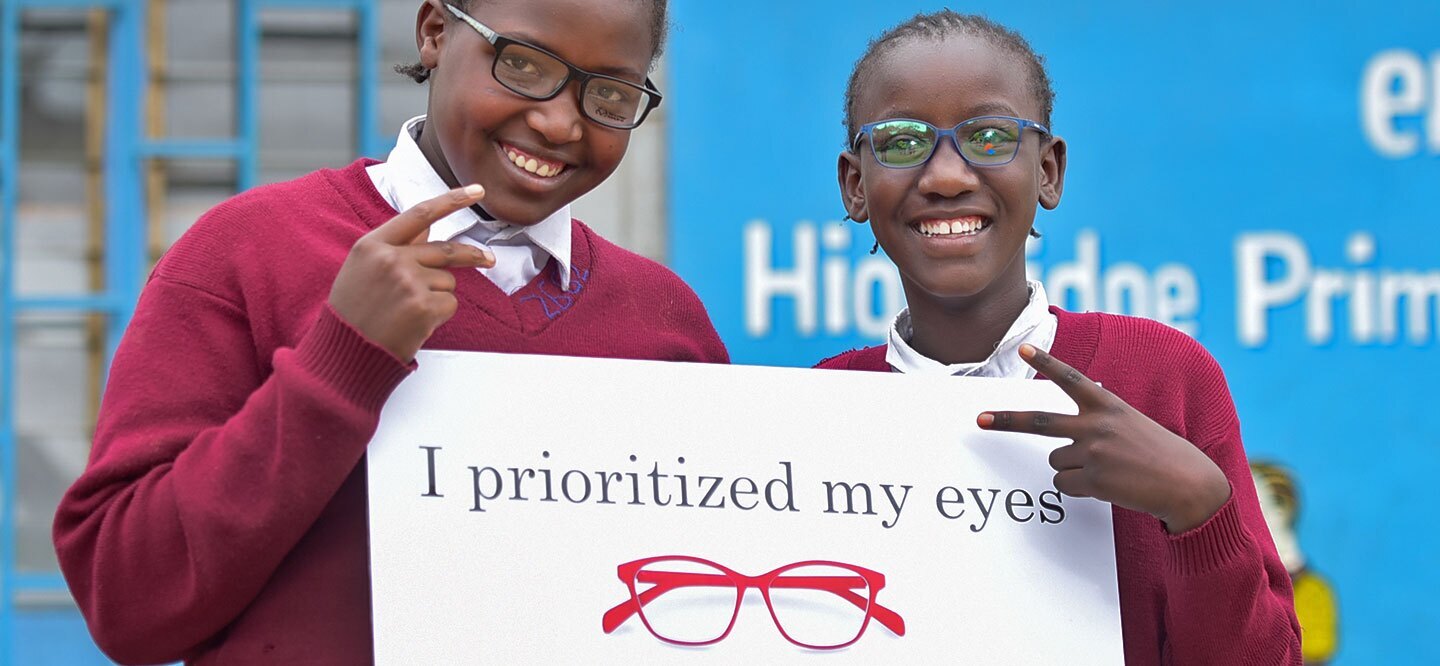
[{"x": 949, "y": 153}]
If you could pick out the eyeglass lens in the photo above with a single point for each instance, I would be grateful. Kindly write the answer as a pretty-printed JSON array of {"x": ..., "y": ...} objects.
[
  {"x": 903, "y": 143},
  {"x": 537, "y": 74}
]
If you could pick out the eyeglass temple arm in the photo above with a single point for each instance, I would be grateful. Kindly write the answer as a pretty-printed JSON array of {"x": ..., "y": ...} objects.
[
  {"x": 479, "y": 27},
  {"x": 665, "y": 581}
]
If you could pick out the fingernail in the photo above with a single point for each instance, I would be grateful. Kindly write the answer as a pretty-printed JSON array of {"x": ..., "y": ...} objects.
[
  {"x": 1027, "y": 350},
  {"x": 985, "y": 419},
  {"x": 474, "y": 190},
  {"x": 487, "y": 254}
]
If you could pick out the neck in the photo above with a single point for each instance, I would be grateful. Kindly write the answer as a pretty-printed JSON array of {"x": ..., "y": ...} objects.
[
  {"x": 967, "y": 329},
  {"x": 429, "y": 144}
]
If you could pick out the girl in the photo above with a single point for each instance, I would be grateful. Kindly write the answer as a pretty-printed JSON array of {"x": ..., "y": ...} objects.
[
  {"x": 949, "y": 153},
  {"x": 222, "y": 516}
]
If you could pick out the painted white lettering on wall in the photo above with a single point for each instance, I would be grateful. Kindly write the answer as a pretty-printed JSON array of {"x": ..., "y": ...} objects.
[
  {"x": 1274, "y": 270},
  {"x": 820, "y": 274},
  {"x": 832, "y": 292},
  {"x": 1396, "y": 86},
  {"x": 1171, "y": 295}
]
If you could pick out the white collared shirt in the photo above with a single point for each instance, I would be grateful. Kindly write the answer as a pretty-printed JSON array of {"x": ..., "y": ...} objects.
[
  {"x": 406, "y": 178},
  {"x": 1035, "y": 325}
]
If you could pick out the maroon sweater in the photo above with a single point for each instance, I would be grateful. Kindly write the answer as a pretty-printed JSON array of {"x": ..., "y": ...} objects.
[
  {"x": 1218, "y": 593},
  {"x": 221, "y": 519}
]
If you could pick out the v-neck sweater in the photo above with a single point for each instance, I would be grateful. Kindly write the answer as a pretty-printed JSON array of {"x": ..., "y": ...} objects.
[
  {"x": 222, "y": 516},
  {"x": 1218, "y": 593}
]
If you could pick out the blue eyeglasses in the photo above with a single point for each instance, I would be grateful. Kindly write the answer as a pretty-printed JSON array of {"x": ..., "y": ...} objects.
[
  {"x": 533, "y": 72},
  {"x": 901, "y": 143}
]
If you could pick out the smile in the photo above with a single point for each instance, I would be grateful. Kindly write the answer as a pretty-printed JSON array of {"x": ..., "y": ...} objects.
[
  {"x": 960, "y": 226},
  {"x": 531, "y": 164}
]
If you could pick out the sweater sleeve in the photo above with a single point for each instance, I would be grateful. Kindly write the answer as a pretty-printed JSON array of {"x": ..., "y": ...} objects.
[
  {"x": 1228, "y": 596},
  {"x": 209, "y": 466}
]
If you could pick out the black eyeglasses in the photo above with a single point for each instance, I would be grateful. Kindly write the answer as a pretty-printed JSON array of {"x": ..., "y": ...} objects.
[{"x": 539, "y": 74}]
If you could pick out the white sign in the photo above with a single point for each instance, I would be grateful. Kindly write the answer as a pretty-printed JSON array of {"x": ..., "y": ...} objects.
[{"x": 528, "y": 509}]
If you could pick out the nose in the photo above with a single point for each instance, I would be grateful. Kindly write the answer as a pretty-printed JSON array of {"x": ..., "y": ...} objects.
[
  {"x": 558, "y": 119},
  {"x": 947, "y": 173}
]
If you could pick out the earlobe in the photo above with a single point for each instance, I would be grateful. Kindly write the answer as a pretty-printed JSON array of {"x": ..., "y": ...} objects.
[
  {"x": 1052, "y": 173},
  {"x": 429, "y": 30},
  {"x": 852, "y": 190}
]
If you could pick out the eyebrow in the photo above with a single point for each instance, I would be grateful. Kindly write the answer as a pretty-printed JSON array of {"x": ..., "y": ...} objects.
[
  {"x": 986, "y": 109},
  {"x": 617, "y": 72}
]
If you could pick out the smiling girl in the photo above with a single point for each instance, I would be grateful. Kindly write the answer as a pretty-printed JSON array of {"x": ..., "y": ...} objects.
[
  {"x": 950, "y": 151},
  {"x": 222, "y": 516}
]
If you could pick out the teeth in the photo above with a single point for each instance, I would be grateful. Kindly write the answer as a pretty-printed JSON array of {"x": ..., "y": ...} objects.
[
  {"x": 533, "y": 165},
  {"x": 953, "y": 228}
]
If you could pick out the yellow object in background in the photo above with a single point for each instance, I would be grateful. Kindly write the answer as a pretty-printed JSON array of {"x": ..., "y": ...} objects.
[
  {"x": 1315, "y": 605},
  {"x": 1319, "y": 621}
]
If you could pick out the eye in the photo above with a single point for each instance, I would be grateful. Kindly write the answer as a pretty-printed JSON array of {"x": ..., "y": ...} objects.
[
  {"x": 609, "y": 92},
  {"x": 519, "y": 64},
  {"x": 992, "y": 140}
]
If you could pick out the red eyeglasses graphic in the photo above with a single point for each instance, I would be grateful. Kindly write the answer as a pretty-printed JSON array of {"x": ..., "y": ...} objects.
[{"x": 691, "y": 601}]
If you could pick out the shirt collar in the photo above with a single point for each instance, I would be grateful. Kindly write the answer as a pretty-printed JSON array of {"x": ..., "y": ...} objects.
[
  {"x": 412, "y": 180},
  {"x": 1035, "y": 325}
]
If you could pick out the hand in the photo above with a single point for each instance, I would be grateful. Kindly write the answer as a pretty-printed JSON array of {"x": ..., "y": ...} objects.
[
  {"x": 396, "y": 289},
  {"x": 1118, "y": 454}
]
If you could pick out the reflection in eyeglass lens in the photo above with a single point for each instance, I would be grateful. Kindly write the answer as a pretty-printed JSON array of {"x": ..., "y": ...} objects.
[
  {"x": 529, "y": 71},
  {"x": 903, "y": 142},
  {"x": 990, "y": 139}
]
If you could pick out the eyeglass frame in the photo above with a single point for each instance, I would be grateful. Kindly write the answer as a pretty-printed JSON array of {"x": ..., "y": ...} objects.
[
  {"x": 499, "y": 42},
  {"x": 868, "y": 130},
  {"x": 629, "y": 572}
]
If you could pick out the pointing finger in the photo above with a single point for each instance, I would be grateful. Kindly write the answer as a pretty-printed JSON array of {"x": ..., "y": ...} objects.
[
  {"x": 1049, "y": 424},
  {"x": 403, "y": 228},
  {"x": 1085, "y": 392}
]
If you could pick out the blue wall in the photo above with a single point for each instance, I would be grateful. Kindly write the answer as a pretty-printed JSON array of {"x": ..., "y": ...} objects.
[{"x": 1207, "y": 143}]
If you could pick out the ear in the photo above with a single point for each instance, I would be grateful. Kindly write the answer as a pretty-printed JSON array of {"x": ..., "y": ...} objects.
[
  {"x": 852, "y": 191},
  {"x": 1052, "y": 172},
  {"x": 429, "y": 31}
]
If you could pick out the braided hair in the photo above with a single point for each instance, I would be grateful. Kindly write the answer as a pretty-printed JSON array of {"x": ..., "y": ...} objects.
[{"x": 938, "y": 26}]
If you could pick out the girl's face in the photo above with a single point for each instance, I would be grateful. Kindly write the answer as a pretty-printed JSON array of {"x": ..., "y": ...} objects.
[
  {"x": 475, "y": 124},
  {"x": 944, "y": 83}
]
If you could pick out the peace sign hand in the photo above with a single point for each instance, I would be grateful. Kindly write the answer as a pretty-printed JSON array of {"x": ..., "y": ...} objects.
[
  {"x": 1118, "y": 454},
  {"x": 394, "y": 288}
]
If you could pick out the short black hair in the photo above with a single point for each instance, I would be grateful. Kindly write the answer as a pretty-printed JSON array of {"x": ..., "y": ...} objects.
[
  {"x": 940, "y": 25},
  {"x": 658, "y": 25}
]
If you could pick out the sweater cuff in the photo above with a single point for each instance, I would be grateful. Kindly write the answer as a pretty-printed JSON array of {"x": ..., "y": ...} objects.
[
  {"x": 1210, "y": 546},
  {"x": 340, "y": 356}
]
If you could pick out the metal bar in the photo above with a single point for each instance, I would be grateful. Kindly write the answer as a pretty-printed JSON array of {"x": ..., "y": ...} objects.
[
  {"x": 39, "y": 582},
  {"x": 156, "y": 171},
  {"x": 191, "y": 148},
  {"x": 9, "y": 186},
  {"x": 247, "y": 20},
  {"x": 102, "y": 302},
  {"x": 125, "y": 215},
  {"x": 315, "y": 4},
  {"x": 366, "y": 49},
  {"x": 97, "y": 101},
  {"x": 69, "y": 4}
]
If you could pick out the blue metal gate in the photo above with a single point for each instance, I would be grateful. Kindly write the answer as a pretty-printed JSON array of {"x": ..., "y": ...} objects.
[{"x": 126, "y": 150}]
